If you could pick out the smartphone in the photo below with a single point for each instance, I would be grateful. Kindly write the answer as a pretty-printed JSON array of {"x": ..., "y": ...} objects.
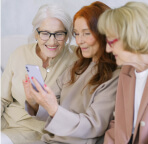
[{"x": 34, "y": 71}]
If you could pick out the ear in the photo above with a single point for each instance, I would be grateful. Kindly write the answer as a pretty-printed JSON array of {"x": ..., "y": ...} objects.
[{"x": 36, "y": 35}]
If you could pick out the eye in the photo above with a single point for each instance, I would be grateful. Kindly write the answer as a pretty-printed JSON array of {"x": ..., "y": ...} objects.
[
  {"x": 44, "y": 33},
  {"x": 87, "y": 34},
  {"x": 60, "y": 34},
  {"x": 75, "y": 34}
]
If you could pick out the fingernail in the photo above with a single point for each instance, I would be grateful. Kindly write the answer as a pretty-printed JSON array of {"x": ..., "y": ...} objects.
[
  {"x": 28, "y": 78},
  {"x": 45, "y": 85},
  {"x": 26, "y": 81},
  {"x": 32, "y": 77}
]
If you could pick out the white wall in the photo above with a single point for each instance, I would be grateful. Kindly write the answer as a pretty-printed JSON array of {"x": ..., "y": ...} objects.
[{"x": 17, "y": 15}]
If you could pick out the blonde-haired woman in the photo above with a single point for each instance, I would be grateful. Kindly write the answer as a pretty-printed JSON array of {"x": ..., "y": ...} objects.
[{"x": 126, "y": 30}]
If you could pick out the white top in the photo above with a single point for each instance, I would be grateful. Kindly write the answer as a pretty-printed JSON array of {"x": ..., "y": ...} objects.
[{"x": 141, "y": 78}]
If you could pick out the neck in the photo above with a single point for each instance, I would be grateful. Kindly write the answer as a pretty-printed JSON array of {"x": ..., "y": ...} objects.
[
  {"x": 140, "y": 62},
  {"x": 141, "y": 68},
  {"x": 44, "y": 59}
]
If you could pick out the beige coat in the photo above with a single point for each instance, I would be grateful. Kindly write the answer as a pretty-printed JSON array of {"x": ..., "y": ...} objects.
[
  {"x": 16, "y": 123},
  {"x": 121, "y": 129},
  {"x": 82, "y": 117}
]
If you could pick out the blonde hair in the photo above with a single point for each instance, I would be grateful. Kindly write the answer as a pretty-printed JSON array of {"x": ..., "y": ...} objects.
[{"x": 129, "y": 23}]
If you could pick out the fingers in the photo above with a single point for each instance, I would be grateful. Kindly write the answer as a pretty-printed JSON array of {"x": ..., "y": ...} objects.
[
  {"x": 27, "y": 86},
  {"x": 27, "y": 78},
  {"x": 25, "y": 83},
  {"x": 48, "y": 89},
  {"x": 45, "y": 97},
  {"x": 37, "y": 85}
]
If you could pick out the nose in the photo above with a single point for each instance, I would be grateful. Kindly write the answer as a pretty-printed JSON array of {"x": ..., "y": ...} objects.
[
  {"x": 108, "y": 48},
  {"x": 51, "y": 40},
  {"x": 79, "y": 39}
]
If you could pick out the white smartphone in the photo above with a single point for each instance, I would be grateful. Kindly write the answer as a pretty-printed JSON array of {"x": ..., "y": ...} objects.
[{"x": 34, "y": 71}]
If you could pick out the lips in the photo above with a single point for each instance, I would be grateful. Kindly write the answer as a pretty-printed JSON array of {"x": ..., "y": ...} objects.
[
  {"x": 52, "y": 47},
  {"x": 84, "y": 48}
]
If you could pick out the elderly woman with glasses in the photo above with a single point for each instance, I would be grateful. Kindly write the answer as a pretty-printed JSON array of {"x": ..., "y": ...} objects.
[
  {"x": 126, "y": 30},
  {"x": 51, "y": 30},
  {"x": 79, "y": 107}
]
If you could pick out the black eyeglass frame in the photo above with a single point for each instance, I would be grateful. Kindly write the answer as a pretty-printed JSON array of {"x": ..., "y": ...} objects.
[{"x": 50, "y": 34}]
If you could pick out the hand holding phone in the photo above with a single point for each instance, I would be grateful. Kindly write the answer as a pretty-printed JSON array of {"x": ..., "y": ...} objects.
[{"x": 34, "y": 71}]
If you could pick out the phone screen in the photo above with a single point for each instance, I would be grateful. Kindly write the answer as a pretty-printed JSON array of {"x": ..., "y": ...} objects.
[{"x": 34, "y": 71}]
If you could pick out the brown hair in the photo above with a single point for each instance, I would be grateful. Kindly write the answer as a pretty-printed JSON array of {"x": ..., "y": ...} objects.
[{"x": 106, "y": 62}]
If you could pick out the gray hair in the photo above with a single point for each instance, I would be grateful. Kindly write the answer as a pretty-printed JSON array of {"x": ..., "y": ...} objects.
[
  {"x": 53, "y": 11},
  {"x": 129, "y": 23}
]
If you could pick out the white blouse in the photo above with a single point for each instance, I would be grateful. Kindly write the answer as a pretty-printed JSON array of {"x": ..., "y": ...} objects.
[{"x": 141, "y": 78}]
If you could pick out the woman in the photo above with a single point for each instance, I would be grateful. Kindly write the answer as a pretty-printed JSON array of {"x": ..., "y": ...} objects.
[
  {"x": 127, "y": 39},
  {"x": 51, "y": 29},
  {"x": 85, "y": 91}
]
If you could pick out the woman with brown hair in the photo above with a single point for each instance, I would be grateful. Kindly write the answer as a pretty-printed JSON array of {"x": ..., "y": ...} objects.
[{"x": 85, "y": 91}]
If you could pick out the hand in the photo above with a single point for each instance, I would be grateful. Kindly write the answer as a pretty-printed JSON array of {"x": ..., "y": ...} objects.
[
  {"x": 46, "y": 98},
  {"x": 29, "y": 97}
]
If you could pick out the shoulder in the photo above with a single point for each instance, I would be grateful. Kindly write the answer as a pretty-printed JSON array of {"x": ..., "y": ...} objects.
[
  {"x": 21, "y": 53},
  {"x": 111, "y": 84},
  {"x": 69, "y": 55},
  {"x": 116, "y": 73},
  {"x": 127, "y": 69},
  {"x": 23, "y": 49},
  {"x": 113, "y": 80}
]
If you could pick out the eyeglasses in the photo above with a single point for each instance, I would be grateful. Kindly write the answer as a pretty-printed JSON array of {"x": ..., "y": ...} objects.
[
  {"x": 44, "y": 35},
  {"x": 111, "y": 42}
]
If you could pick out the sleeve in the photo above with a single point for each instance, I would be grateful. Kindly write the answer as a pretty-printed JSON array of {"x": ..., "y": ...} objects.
[
  {"x": 91, "y": 124},
  {"x": 109, "y": 135},
  {"x": 6, "y": 81},
  {"x": 41, "y": 114},
  {"x": 61, "y": 80}
]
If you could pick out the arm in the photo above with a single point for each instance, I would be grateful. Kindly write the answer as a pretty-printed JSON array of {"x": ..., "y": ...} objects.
[
  {"x": 95, "y": 120},
  {"x": 31, "y": 105},
  {"x": 109, "y": 135},
  {"x": 6, "y": 81}
]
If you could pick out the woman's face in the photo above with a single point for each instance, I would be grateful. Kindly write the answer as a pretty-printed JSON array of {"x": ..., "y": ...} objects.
[
  {"x": 115, "y": 46},
  {"x": 51, "y": 47},
  {"x": 85, "y": 40}
]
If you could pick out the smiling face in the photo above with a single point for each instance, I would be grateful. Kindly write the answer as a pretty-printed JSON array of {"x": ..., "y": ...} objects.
[
  {"x": 51, "y": 47},
  {"x": 85, "y": 39}
]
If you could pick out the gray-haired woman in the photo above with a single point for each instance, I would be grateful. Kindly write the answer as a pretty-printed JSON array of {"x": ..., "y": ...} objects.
[{"x": 51, "y": 30}]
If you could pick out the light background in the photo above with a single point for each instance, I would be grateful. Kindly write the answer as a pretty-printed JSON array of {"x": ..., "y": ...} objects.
[{"x": 17, "y": 16}]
